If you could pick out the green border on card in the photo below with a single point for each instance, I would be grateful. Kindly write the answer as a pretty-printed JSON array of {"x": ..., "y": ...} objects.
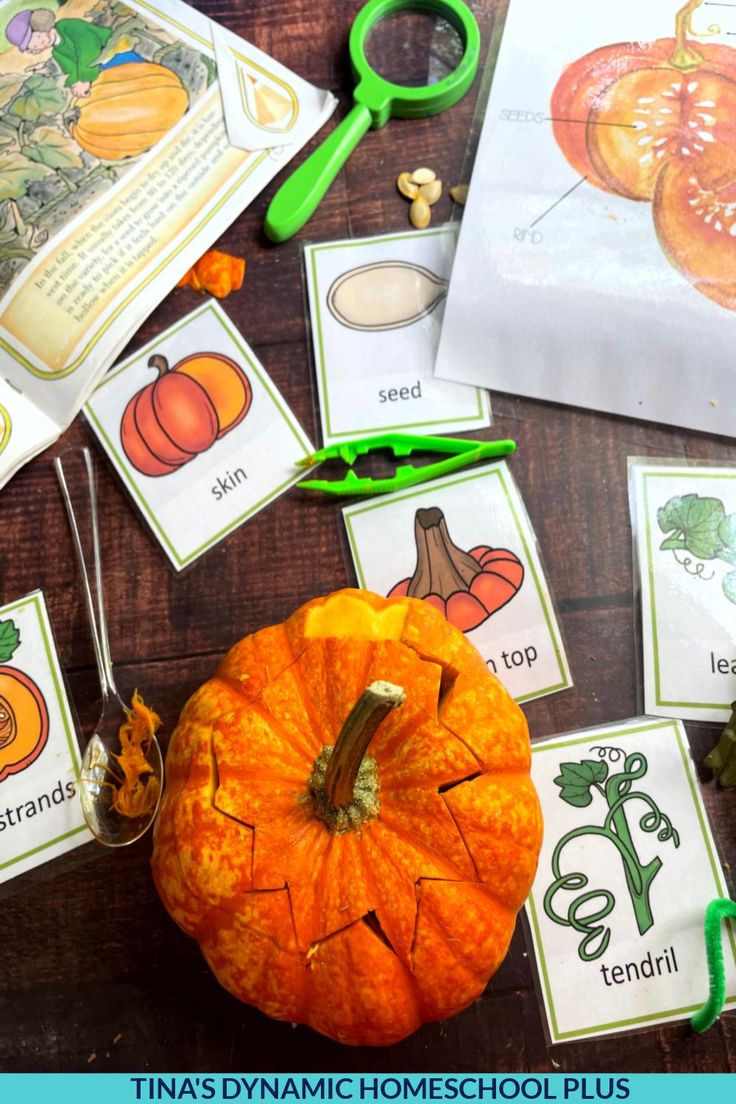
[
  {"x": 313, "y": 250},
  {"x": 122, "y": 465},
  {"x": 35, "y": 599},
  {"x": 720, "y": 886},
  {"x": 671, "y": 473},
  {"x": 498, "y": 472}
]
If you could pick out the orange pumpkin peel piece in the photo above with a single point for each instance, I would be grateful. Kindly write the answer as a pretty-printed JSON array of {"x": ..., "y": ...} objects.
[
  {"x": 357, "y": 868},
  {"x": 215, "y": 273}
]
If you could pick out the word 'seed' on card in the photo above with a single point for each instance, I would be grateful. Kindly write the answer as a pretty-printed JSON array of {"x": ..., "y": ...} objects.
[
  {"x": 40, "y": 814},
  {"x": 619, "y": 945},
  {"x": 472, "y": 526},
  {"x": 685, "y": 529},
  {"x": 197, "y": 432},
  {"x": 376, "y": 307}
]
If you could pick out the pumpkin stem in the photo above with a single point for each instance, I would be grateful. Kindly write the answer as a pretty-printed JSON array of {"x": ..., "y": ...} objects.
[
  {"x": 160, "y": 363},
  {"x": 442, "y": 568},
  {"x": 373, "y": 705},
  {"x": 684, "y": 56}
]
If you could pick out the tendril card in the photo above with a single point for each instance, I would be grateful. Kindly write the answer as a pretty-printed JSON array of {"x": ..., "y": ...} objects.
[
  {"x": 685, "y": 519},
  {"x": 624, "y": 832}
]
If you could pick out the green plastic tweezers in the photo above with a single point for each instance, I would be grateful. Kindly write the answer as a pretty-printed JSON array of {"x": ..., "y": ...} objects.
[{"x": 460, "y": 453}]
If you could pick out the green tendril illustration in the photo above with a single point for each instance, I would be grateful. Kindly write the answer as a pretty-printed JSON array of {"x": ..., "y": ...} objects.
[
  {"x": 701, "y": 527},
  {"x": 578, "y": 783}
]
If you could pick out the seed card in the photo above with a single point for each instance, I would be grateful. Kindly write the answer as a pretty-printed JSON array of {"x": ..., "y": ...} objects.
[
  {"x": 197, "y": 432},
  {"x": 685, "y": 523},
  {"x": 40, "y": 814},
  {"x": 619, "y": 946},
  {"x": 376, "y": 307},
  {"x": 466, "y": 545}
]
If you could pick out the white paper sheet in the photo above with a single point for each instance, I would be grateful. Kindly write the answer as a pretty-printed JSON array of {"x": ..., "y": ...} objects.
[{"x": 562, "y": 289}]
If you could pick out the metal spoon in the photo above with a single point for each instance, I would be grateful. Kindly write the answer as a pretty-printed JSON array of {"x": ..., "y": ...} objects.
[{"x": 98, "y": 762}]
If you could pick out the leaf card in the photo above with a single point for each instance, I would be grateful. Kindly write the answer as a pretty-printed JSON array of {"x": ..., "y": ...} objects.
[
  {"x": 685, "y": 524},
  {"x": 466, "y": 545},
  {"x": 618, "y": 945}
]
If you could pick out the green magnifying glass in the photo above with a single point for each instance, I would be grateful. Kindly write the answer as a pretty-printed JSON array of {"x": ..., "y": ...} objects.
[{"x": 376, "y": 100}]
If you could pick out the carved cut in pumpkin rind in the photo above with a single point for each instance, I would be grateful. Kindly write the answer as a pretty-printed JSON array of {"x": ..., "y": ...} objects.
[{"x": 240, "y": 757}]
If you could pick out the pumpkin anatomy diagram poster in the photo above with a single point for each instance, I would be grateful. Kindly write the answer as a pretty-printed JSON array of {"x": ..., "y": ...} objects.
[
  {"x": 465, "y": 545},
  {"x": 596, "y": 257}
]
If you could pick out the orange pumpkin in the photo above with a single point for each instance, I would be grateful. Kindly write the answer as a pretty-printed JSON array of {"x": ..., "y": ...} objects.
[
  {"x": 467, "y": 587},
  {"x": 129, "y": 108},
  {"x": 661, "y": 127},
  {"x": 24, "y": 721},
  {"x": 362, "y": 894},
  {"x": 184, "y": 411}
]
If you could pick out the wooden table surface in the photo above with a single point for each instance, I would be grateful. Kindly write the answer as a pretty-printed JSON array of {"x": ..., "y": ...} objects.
[{"x": 93, "y": 973}]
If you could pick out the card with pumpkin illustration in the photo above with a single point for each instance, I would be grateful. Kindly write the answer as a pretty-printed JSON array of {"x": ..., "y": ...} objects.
[
  {"x": 40, "y": 814},
  {"x": 624, "y": 830},
  {"x": 595, "y": 262},
  {"x": 197, "y": 432},
  {"x": 685, "y": 526},
  {"x": 376, "y": 307},
  {"x": 465, "y": 545}
]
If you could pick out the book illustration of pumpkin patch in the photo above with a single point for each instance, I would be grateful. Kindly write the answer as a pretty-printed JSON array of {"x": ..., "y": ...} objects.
[
  {"x": 5, "y": 427},
  {"x": 659, "y": 127},
  {"x": 24, "y": 717},
  {"x": 355, "y": 868},
  {"x": 184, "y": 411},
  {"x": 467, "y": 587}
]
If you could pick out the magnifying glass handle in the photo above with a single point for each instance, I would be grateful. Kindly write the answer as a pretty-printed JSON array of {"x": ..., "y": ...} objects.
[{"x": 298, "y": 197}]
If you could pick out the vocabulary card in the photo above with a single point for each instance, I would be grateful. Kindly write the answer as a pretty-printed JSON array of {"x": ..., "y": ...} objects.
[
  {"x": 40, "y": 814},
  {"x": 685, "y": 526},
  {"x": 197, "y": 432},
  {"x": 618, "y": 944},
  {"x": 466, "y": 545},
  {"x": 376, "y": 307}
]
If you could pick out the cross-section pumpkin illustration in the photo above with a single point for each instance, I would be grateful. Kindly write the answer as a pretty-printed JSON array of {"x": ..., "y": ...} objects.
[
  {"x": 355, "y": 868},
  {"x": 24, "y": 718},
  {"x": 656, "y": 121}
]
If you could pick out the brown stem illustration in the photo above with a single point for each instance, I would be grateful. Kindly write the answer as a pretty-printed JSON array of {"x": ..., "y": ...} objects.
[{"x": 442, "y": 568}]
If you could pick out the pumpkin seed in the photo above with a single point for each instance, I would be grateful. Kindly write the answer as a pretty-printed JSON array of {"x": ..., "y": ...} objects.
[
  {"x": 431, "y": 192},
  {"x": 419, "y": 214},
  {"x": 406, "y": 187},
  {"x": 422, "y": 176},
  {"x": 459, "y": 194}
]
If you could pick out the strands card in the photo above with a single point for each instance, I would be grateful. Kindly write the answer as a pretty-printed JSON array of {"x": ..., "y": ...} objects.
[
  {"x": 465, "y": 543},
  {"x": 618, "y": 944},
  {"x": 376, "y": 308},
  {"x": 198, "y": 433},
  {"x": 40, "y": 813},
  {"x": 685, "y": 527},
  {"x": 596, "y": 256}
]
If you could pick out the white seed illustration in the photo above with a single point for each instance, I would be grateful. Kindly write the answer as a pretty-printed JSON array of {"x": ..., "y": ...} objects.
[{"x": 385, "y": 295}]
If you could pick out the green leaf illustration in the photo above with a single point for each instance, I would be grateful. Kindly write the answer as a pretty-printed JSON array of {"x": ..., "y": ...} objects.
[
  {"x": 729, "y": 586},
  {"x": 52, "y": 147},
  {"x": 577, "y": 778},
  {"x": 40, "y": 96},
  {"x": 9, "y": 640},
  {"x": 16, "y": 173},
  {"x": 727, "y": 532},
  {"x": 696, "y": 522},
  {"x": 9, "y": 85}
]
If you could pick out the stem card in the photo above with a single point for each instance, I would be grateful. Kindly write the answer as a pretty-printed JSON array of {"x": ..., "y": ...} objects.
[
  {"x": 685, "y": 525},
  {"x": 466, "y": 545},
  {"x": 625, "y": 832},
  {"x": 197, "y": 432},
  {"x": 40, "y": 813},
  {"x": 597, "y": 248},
  {"x": 376, "y": 308}
]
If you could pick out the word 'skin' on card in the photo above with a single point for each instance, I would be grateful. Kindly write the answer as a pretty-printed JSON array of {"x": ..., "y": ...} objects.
[
  {"x": 471, "y": 536},
  {"x": 627, "y": 869},
  {"x": 685, "y": 528},
  {"x": 376, "y": 307},
  {"x": 197, "y": 432},
  {"x": 40, "y": 814}
]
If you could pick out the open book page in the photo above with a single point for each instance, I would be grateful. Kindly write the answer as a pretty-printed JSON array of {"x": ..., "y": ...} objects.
[
  {"x": 24, "y": 429},
  {"x": 117, "y": 171}
]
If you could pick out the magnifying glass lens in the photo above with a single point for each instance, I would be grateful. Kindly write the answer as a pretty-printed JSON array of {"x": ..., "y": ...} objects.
[{"x": 413, "y": 48}]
